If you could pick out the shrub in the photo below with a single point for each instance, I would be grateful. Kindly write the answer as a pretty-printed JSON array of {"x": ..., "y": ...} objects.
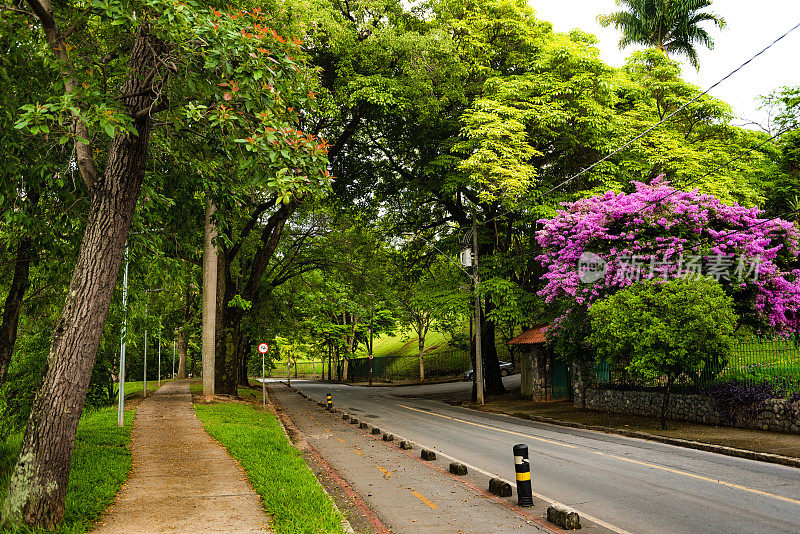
[{"x": 665, "y": 329}]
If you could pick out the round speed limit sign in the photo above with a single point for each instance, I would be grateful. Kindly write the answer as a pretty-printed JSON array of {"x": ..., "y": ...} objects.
[{"x": 263, "y": 348}]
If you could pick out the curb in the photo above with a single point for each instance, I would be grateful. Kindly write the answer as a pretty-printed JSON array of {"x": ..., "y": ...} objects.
[{"x": 685, "y": 443}]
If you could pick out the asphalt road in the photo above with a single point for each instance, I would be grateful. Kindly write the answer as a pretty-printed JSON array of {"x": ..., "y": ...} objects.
[{"x": 628, "y": 484}]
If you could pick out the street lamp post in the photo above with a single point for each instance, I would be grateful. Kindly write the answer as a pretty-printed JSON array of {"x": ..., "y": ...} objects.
[{"x": 123, "y": 343}]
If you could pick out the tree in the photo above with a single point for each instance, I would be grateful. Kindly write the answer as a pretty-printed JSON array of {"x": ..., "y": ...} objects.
[
  {"x": 672, "y": 26},
  {"x": 120, "y": 65},
  {"x": 596, "y": 246},
  {"x": 429, "y": 296},
  {"x": 665, "y": 329}
]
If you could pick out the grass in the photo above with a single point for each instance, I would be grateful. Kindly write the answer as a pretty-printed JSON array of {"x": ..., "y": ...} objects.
[
  {"x": 101, "y": 462},
  {"x": 135, "y": 388},
  {"x": 289, "y": 490}
]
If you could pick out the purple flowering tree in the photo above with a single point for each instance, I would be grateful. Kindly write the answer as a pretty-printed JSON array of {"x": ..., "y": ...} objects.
[{"x": 596, "y": 246}]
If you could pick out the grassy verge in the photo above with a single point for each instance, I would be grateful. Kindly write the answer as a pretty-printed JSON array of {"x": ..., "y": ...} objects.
[
  {"x": 277, "y": 471},
  {"x": 101, "y": 462}
]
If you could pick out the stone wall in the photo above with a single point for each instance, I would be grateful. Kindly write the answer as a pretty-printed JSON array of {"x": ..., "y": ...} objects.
[{"x": 776, "y": 415}]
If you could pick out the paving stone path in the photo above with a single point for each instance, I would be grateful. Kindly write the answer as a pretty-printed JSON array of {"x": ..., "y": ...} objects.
[{"x": 182, "y": 480}]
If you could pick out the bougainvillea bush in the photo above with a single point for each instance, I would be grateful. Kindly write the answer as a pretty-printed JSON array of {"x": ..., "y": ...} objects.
[{"x": 660, "y": 233}]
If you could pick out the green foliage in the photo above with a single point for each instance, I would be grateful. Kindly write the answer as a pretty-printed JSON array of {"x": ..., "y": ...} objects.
[
  {"x": 289, "y": 491},
  {"x": 672, "y": 26},
  {"x": 100, "y": 465},
  {"x": 655, "y": 329}
]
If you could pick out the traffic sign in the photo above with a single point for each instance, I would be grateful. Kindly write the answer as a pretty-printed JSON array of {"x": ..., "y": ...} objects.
[{"x": 263, "y": 348}]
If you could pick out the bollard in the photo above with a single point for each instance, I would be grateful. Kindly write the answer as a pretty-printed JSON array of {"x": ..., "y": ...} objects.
[
  {"x": 376, "y": 430},
  {"x": 330, "y": 401},
  {"x": 523, "y": 469}
]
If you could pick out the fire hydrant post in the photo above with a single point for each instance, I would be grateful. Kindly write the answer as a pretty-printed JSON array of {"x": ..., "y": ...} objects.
[
  {"x": 330, "y": 402},
  {"x": 523, "y": 468}
]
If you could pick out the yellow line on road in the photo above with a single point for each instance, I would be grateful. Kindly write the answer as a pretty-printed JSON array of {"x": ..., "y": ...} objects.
[
  {"x": 358, "y": 452},
  {"x": 706, "y": 479},
  {"x": 670, "y": 470},
  {"x": 424, "y": 499},
  {"x": 490, "y": 427},
  {"x": 340, "y": 440},
  {"x": 386, "y": 472}
]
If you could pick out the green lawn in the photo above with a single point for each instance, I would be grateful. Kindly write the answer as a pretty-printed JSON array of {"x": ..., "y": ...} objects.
[
  {"x": 289, "y": 490},
  {"x": 101, "y": 462},
  {"x": 135, "y": 388}
]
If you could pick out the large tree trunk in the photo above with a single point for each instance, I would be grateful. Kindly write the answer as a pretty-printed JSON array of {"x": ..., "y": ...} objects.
[
  {"x": 13, "y": 306},
  {"x": 491, "y": 365},
  {"x": 210, "y": 260},
  {"x": 39, "y": 481},
  {"x": 228, "y": 320},
  {"x": 245, "y": 346},
  {"x": 422, "y": 332}
]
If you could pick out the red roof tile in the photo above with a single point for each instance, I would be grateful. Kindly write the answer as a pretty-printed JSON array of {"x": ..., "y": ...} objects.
[{"x": 534, "y": 336}]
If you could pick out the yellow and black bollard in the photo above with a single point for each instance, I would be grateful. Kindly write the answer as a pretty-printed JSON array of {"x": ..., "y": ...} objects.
[
  {"x": 523, "y": 468},
  {"x": 330, "y": 402}
]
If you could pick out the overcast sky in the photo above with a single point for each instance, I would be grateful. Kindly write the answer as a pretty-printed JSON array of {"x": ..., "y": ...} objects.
[{"x": 750, "y": 27}]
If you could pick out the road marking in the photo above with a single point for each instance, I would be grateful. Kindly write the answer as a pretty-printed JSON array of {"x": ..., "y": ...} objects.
[
  {"x": 674, "y": 471},
  {"x": 706, "y": 479},
  {"x": 423, "y": 499},
  {"x": 386, "y": 472},
  {"x": 358, "y": 452},
  {"x": 471, "y": 467},
  {"x": 340, "y": 440},
  {"x": 491, "y": 427}
]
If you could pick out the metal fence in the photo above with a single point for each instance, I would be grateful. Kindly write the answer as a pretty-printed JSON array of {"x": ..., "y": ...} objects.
[
  {"x": 757, "y": 361},
  {"x": 438, "y": 364}
]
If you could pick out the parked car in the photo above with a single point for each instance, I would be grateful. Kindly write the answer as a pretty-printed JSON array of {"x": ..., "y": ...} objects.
[{"x": 506, "y": 368}]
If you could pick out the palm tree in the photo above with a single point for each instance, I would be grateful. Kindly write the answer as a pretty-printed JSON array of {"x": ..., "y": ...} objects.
[{"x": 672, "y": 26}]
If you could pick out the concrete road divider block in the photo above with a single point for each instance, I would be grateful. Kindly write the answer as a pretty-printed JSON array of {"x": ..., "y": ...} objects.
[
  {"x": 388, "y": 437},
  {"x": 320, "y": 403},
  {"x": 564, "y": 517},
  {"x": 427, "y": 455},
  {"x": 458, "y": 469},
  {"x": 354, "y": 421},
  {"x": 363, "y": 425},
  {"x": 376, "y": 430},
  {"x": 499, "y": 487},
  {"x": 345, "y": 416},
  {"x": 406, "y": 445}
]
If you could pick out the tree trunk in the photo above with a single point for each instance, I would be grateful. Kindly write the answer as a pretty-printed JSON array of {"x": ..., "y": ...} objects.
[
  {"x": 182, "y": 346},
  {"x": 245, "y": 347},
  {"x": 39, "y": 481},
  {"x": 421, "y": 346},
  {"x": 13, "y": 306},
  {"x": 491, "y": 365},
  {"x": 210, "y": 260}
]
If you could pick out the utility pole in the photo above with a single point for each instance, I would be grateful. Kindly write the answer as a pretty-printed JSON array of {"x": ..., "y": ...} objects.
[
  {"x": 173, "y": 359},
  {"x": 123, "y": 342},
  {"x": 209, "y": 302},
  {"x": 476, "y": 277}
]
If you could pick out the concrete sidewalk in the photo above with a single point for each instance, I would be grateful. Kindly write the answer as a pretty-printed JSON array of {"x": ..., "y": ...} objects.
[
  {"x": 182, "y": 480},
  {"x": 394, "y": 490}
]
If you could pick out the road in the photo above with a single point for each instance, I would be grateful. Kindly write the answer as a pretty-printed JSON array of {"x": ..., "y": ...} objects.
[{"x": 631, "y": 485}]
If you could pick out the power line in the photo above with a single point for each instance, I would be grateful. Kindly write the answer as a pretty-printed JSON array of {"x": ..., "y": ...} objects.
[
  {"x": 665, "y": 119},
  {"x": 709, "y": 173},
  {"x": 668, "y": 117}
]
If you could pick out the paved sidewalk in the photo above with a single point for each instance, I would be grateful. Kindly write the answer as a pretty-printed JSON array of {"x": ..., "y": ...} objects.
[
  {"x": 407, "y": 494},
  {"x": 182, "y": 480}
]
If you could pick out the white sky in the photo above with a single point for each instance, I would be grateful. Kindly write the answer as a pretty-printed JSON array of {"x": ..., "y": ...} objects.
[{"x": 750, "y": 27}]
